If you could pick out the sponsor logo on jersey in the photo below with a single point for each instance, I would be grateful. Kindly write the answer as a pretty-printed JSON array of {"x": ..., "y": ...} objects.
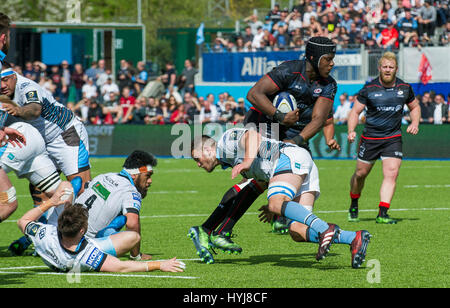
[
  {"x": 42, "y": 233},
  {"x": 297, "y": 165},
  {"x": 11, "y": 156},
  {"x": 318, "y": 90},
  {"x": 136, "y": 196},
  {"x": 95, "y": 258},
  {"x": 101, "y": 190},
  {"x": 24, "y": 85},
  {"x": 32, "y": 97},
  {"x": 32, "y": 229}
]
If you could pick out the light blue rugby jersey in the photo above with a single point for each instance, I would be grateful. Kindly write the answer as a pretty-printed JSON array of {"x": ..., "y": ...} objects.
[{"x": 230, "y": 153}]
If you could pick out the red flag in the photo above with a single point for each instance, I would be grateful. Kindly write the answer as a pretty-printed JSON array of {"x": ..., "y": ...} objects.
[{"x": 424, "y": 69}]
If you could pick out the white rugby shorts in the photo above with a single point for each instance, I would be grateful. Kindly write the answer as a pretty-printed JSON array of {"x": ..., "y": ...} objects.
[
  {"x": 70, "y": 150},
  {"x": 30, "y": 161},
  {"x": 298, "y": 161}
]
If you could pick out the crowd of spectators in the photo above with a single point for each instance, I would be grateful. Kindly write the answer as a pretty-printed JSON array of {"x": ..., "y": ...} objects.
[
  {"x": 433, "y": 106},
  {"x": 377, "y": 24},
  {"x": 133, "y": 96}
]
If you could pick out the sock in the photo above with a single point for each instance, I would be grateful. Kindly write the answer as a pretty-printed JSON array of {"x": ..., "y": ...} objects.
[
  {"x": 297, "y": 212},
  {"x": 344, "y": 237},
  {"x": 220, "y": 212},
  {"x": 383, "y": 208},
  {"x": 355, "y": 198},
  {"x": 243, "y": 200}
]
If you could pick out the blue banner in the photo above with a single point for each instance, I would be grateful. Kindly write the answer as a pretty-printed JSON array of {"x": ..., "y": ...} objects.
[{"x": 243, "y": 66}]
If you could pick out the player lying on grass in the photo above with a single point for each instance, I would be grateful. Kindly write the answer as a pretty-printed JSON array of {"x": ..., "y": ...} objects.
[
  {"x": 65, "y": 248},
  {"x": 114, "y": 201},
  {"x": 288, "y": 171}
]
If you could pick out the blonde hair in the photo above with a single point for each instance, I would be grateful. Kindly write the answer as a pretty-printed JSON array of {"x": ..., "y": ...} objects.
[{"x": 389, "y": 55}]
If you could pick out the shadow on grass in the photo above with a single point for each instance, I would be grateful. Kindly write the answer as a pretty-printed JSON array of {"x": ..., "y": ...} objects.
[
  {"x": 306, "y": 260},
  {"x": 396, "y": 218}
]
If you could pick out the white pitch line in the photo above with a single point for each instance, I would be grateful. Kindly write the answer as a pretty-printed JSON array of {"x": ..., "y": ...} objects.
[
  {"x": 103, "y": 275},
  {"x": 428, "y": 186},
  {"x": 257, "y": 213}
]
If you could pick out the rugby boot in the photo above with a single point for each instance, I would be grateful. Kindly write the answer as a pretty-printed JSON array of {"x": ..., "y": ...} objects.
[
  {"x": 201, "y": 242},
  {"x": 224, "y": 242},
  {"x": 358, "y": 247},
  {"x": 353, "y": 214},
  {"x": 280, "y": 225},
  {"x": 385, "y": 219},
  {"x": 18, "y": 247},
  {"x": 327, "y": 238}
]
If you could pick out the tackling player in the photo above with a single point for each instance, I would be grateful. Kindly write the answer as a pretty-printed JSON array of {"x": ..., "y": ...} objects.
[
  {"x": 308, "y": 80},
  {"x": 65, "y": 248},
  {"x": 288, "y": 171},
  {"x": 384, "y": 99},
  {"x": 114, "y": 200},
  {"x": 65, "y": 136}
]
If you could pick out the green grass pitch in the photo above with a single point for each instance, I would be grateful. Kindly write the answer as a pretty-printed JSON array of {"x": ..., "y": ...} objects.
[{"x": 413, "y": 253}]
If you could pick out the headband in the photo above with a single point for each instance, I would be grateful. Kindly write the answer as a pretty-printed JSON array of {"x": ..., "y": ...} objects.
[
  {"x": 143, "y": 169},
  {"x": 6, "y": 72}
]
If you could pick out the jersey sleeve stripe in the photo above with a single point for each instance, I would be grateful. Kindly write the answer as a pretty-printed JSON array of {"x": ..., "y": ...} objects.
[
  {"x": 326, "y": 98},
  {"x": 273, "y": 82}
]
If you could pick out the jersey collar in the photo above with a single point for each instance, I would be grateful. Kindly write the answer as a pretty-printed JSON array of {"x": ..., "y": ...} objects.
[
  {"x": 125, "y": 174},
  {"x": 223, "y": 164}
]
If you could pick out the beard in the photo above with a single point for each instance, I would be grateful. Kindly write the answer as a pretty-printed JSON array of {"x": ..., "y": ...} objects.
[
  {"x": 387, "y": 79},
  {"x": 142, "y": 191}
]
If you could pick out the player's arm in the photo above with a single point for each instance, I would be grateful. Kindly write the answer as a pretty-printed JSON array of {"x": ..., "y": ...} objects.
[
  {"x": 353, "y": 119},
  {"x": 64, "y": 193},
  {"x": 133, "y": 224},
  {"x": 113, "y": 264},
  {"x": 258, "y": 96},
  {"x": 320, "y": 113},
  {"x": 328, "y": 132},
  {"x": 414, "y": 113},
  {"x": 250, "y": 142},
  {"x": 30, "y": 111}
]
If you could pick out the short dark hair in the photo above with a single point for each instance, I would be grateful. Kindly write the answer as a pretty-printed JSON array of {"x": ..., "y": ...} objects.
[
  {"x": 199, "y": 141},
  {"x": 5, "y": 22},
  {"x": 72, "y": 220},
  {"x": 140, "y": 158}
]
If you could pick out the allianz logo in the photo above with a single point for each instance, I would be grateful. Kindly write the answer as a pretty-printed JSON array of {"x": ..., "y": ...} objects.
[{"x": 258, "y": 66}]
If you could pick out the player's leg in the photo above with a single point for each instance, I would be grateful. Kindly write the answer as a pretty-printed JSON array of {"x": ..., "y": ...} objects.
[
  {"x": 357, "y": 181},
  {"x": 8, "y": 198},
  {"x": 281, "y": 193},
  {"x": 233, "y": 205},
  {"x": 368, "y": 153},
  {"x": 70, "y": 153},
  {"x": 391, "y": 167},
  {"x": 248, "y": 193},
  {"x": 118, "y": 244},
  {"x": 357, "y": 241}
]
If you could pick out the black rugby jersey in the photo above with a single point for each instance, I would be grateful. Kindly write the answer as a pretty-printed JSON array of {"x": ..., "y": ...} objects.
[
  {"x": 291, "y": 77},
  {"x": 384, "y": 107}
]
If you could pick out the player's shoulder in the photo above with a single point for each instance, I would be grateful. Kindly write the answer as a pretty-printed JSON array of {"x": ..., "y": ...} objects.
[
  {"x": 25, "y": 84},
  {"x": 401, "y": 83},
  {"x": 329, "y": 81},
  {"x": 373, "y": 84},
  {"x": 290, "y": 66}
]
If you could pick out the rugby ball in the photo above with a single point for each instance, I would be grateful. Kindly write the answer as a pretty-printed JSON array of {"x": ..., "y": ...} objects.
[{"x": 284, "y": 102}]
